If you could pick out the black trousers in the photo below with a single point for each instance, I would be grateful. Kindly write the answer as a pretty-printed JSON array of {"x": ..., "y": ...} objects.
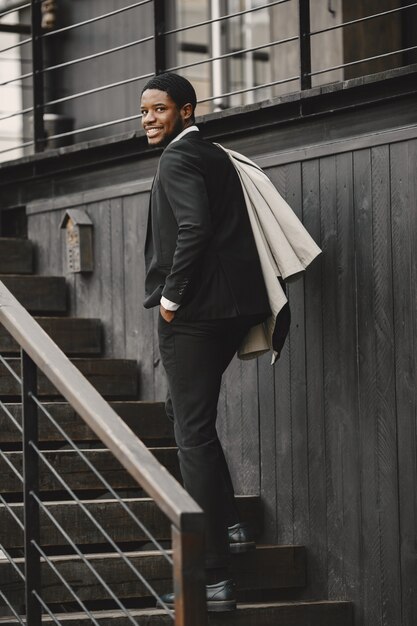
[{"x": 195, "y": 355}]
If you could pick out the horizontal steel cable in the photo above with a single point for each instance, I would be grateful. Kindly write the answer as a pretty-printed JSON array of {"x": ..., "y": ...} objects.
[
  {"x": 16, "y": 615},
  {"x": 362, "y": 19},
  {"x": 11, "y": 417},
  {"x": 12, "y": 513},
  {"x": 130, "y": 44},
  {"x": 374, "y": 58},
  {"x": 18, "y": 147},
  {"x": 10, "y": 369},
  {"x": 96, "y": 126},
  {"x": 22, "y": 112},
  {"x": 10, "y": 464},
  {"x": 84, "y": 560},
  {"x": 223, "y": 17},
  {"x": 16, "y": 45},
  {"x": 270, "y": 44},
  {"x": 102, "y": 479},
  {"x": 64, "y": 582},
  {"x": 96, "y": 19},
  {"x": 130, "y": 80},
  {"x": 45, "y": 607},
  {"x": 19, "y": 8},
  {"x": 11, "y": 561},
  {"x": 14, "y": 80},
  {"x": 91, "y": 518},
  {"x": 97, "y": 89},
  {"x": 254, "y": 88}
]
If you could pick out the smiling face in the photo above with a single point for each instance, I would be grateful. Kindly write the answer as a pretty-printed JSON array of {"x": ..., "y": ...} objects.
[{"x": 162, "y": 119}]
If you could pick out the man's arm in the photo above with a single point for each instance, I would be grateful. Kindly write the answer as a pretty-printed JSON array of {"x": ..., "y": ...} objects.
[{"x": 181, "y": 176}]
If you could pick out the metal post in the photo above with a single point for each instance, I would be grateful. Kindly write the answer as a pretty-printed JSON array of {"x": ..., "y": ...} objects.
[
  {"x": 37, "y": 67},
  {"x": 189, "y": 583},
  {"x": 31, "y": 484},
  {"x": 216, "y": 50},
  {"x": 159, "y": 35},
  {"x": 305, "y": 43}
]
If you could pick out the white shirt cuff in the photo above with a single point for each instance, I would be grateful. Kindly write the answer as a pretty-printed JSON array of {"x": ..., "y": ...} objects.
[{"x": 168, "y": 305}]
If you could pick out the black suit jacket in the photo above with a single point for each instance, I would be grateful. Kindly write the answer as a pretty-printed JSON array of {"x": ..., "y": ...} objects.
[{"x": 200, "y": 251}]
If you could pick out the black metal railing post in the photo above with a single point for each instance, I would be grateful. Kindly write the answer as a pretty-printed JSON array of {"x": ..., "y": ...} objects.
[
  {"x": 189, "y": 582},
  {"x": 37, "y": 67},
  {"x": 159, "y": 35},
  {"x": 31, "y": 485},
  {"x": 305, "y": 43}
]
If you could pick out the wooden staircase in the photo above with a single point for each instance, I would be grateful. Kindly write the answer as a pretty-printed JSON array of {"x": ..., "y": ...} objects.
[{"x": 264, "y": 577}]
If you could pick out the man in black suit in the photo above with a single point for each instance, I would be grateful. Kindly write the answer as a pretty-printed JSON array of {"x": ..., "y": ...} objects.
[{"x": 203, "y": 271}]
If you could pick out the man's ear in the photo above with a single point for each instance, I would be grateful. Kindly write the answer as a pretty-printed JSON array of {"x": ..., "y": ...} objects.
[{"x": 187, "y": 112}]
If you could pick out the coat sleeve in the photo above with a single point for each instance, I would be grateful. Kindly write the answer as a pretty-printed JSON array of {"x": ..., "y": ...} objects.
[{"x": 181, "y": 176}]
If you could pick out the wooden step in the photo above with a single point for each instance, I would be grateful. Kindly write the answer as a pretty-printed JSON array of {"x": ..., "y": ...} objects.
[
  {"x": 76, "y": 473},
  {"x": 38, "y": 294},
  {"x": 111, "y": 377},
  {"x": 147, "y": 420},
  {"x": 266, "y": 568},
  {"x": 110, "y": 514},
  {"x": 16, "y": 256},
  {"x": 75, "y": 336},
  {"x": 323, "y": 613}
]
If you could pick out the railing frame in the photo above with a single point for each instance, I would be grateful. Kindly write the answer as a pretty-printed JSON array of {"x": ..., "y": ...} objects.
[
  {"x": 30, "y": 485},
  {"x": 305, "y": 44},
  {"x": 38, "y": 81},
  {"x": 39, "y": 351},
  {"x": 161, "y": 31}
]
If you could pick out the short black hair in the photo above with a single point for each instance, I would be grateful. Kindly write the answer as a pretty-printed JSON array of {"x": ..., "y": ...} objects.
[{"x": 177, "y": 87}]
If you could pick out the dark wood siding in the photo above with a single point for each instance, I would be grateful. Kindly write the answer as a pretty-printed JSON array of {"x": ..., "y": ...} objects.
[{"x": 328, "y": 435}]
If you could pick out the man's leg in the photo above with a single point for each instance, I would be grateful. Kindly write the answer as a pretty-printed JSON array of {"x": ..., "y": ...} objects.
[{"x": 195, "y": 355}]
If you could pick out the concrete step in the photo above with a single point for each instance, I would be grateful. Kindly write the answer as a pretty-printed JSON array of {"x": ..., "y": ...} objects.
[
  {"x": 16, "y": 256},
  {"x": 111, "y": 377},
  {"x": 75, "y": 336},
  {"x": 74, "y": 471},
  {"x": 38, "y": 294},
  {"x": 109, "y": 514},
  {"x": 313, "y": 613},
  {"x": 147, "y": 420}
]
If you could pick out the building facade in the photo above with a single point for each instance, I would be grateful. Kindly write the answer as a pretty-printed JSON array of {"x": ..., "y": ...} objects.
[{"x": 327, "y": 437}]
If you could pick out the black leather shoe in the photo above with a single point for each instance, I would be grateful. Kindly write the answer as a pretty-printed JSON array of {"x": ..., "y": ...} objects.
[
  {"x": 241, "y": 538},
  {"x": 220, "y": 597}
]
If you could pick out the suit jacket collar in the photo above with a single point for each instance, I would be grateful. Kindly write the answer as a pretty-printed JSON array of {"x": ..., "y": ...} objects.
[{"x": 190, "y": 129}]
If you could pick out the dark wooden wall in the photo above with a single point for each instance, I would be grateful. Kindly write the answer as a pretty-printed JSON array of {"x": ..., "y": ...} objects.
[{"x": 328, "y": 435}]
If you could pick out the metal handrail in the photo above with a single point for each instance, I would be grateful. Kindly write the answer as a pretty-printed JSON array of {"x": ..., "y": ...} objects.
[{"x": 185, "y": 515}]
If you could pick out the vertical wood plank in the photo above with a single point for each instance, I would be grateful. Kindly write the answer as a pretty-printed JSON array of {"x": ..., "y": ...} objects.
[
  {"x": 298, "y": 379},
  {"x": 94, "y": 291},
  {"x": 386, "y": 423},
  {"x": 317, "y": 559},
  {"x": 42, "y": 228},
  {"x": 404, "y": 245},
  {"x": 250, "y": 428},
  {"x": 238, "y": 425},
  {"x": 367, "y": 381},
  {"x": 340, "y": 375},
  {"x": 117, "y": 273},
  {"x": 139, "y": 326},
  {"x": 284, "y": 444},
  {"x": 267, "y": 447}
]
